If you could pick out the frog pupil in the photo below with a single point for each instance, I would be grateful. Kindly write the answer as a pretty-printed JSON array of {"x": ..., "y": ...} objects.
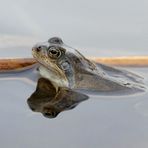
[{"x": 53, "y": 51}]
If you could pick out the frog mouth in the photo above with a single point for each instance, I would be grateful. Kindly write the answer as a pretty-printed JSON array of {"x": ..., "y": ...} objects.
[{"x": 52, "y": 68}]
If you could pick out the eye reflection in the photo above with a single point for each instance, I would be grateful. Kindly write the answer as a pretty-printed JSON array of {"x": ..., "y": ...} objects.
[
  {"x": 49, "y": 115},
  {"x": 50, "y": 103}
]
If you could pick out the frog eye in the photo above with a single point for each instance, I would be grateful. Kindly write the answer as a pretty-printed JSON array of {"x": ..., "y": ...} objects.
[
  {"x": 54, "y": 53},
  {"x": 55, "y": 40}
]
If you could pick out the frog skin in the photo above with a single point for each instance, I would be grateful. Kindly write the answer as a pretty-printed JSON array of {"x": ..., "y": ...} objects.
[
  {"x": 50, "y": 102},
  {"x": 65, "y": 66}
]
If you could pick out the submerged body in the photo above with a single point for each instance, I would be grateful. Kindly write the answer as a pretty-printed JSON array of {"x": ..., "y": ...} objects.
[
  {"x": 66, "y": 67},
  {"x": 49, "y": 102}
]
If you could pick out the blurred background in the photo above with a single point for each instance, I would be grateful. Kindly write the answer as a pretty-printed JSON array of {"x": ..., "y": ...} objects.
[
  {"x": 100, "y": 27},
  {"x": 96, "y": 28}
]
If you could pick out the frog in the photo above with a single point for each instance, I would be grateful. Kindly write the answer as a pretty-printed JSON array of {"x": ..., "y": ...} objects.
[{"x": 65, "y": 66}]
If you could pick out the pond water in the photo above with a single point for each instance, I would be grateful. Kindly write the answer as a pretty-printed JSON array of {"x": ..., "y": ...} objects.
[
  {"x": 96, "y": 28},
  {"x": 104, "y": 121}
]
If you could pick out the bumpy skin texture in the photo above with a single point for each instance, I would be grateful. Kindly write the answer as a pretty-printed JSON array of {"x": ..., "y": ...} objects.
[{"x": 68, "y": 68}]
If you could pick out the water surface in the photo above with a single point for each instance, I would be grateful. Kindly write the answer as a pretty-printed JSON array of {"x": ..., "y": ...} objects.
[
  {"x": 110, "y": 121},
  {"x": 96, "y": 28}
]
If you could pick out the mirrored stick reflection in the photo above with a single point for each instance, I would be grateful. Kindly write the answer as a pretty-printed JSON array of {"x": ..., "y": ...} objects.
[{"x": 50, "y": 101}]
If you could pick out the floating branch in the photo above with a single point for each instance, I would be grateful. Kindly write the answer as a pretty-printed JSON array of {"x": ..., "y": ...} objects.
[{"x": 20, "y": 64}]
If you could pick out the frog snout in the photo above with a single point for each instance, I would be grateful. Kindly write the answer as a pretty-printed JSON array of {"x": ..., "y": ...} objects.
[{"x": 37, "y": 48}]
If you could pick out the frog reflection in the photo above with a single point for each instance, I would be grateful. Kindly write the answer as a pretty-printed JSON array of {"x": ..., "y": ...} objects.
[{"x": 51, "y": 100}]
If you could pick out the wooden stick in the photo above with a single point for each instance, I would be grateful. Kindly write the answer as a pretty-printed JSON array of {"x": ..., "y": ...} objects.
[
  {"x": 135, "y": 61},
  {"x": 17, "y": 64},
  {"x": 20, "y": 64}
]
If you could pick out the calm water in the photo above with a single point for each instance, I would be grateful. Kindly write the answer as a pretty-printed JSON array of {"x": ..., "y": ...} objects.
[
  {"x": 97, "y": 122},
  {"x": 97, "y": 28}
]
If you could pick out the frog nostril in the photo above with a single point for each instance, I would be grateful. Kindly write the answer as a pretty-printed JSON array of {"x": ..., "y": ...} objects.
[{"x": 38, "y": 49}]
